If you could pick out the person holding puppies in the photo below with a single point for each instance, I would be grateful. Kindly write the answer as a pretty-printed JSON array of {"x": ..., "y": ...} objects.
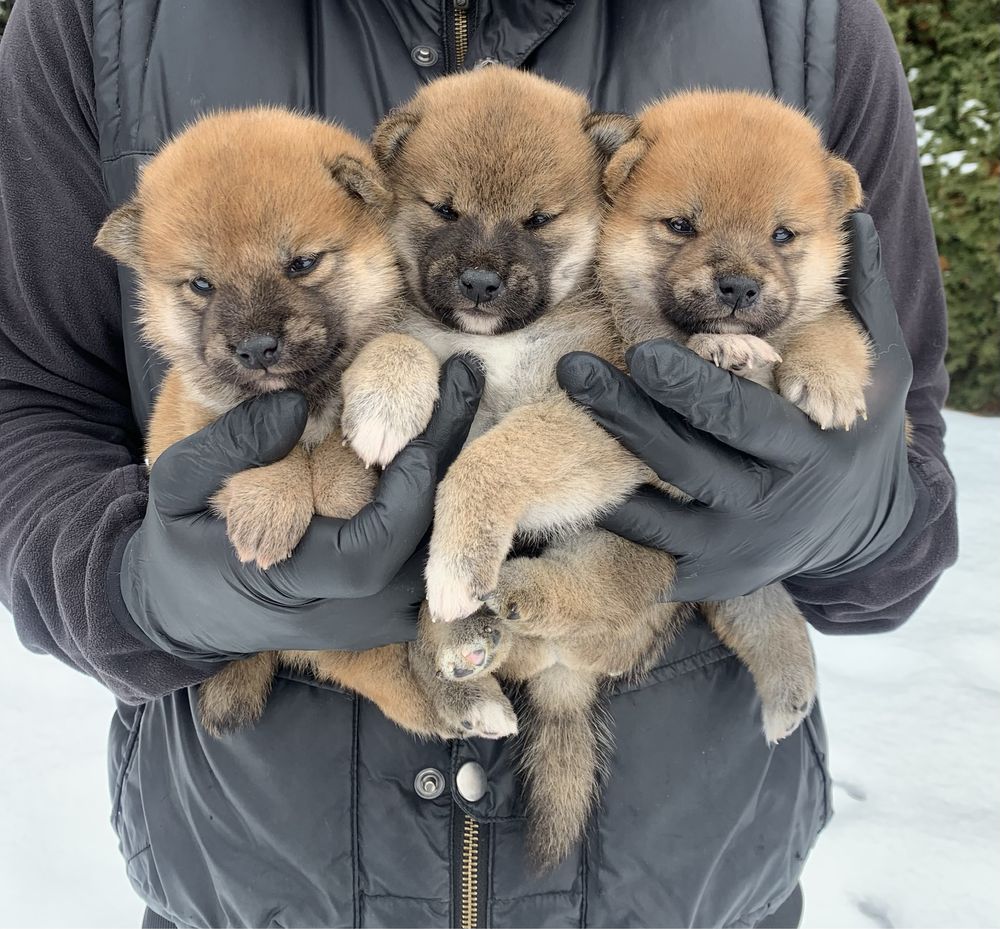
[{"x": 325, "y": 813}]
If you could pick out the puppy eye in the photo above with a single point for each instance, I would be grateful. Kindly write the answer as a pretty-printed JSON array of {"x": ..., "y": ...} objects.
[
  {"x": 537, "y": 220},
  {"x": 201, "y": 285},
  {"x": 301, "y": 264},
  {"x": 680, "y": 225},
  {"x": 781, "y": 235},
  {"x": 445, "y": 211}
]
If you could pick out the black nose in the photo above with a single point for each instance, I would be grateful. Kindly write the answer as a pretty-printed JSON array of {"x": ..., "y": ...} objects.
[
  {"x": 259, "y": 351},
  {"x": 480, "y": 285},
  {"x": 737, "y": 292}
]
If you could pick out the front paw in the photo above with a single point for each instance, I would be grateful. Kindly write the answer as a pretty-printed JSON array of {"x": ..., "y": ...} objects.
[
  {"x": 264, "y": 519},
  {"x": 827, "y": 401},
  {"x": 388, "y": 396},
  {"x": 734, "y": 352},
  {"x": 461, "y": 574}
]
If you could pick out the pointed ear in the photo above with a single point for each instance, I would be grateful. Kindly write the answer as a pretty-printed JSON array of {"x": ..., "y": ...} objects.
[
  {"x": 363, "y": 181},
  {"x": 845, "y": 183},
  {"x": 390, "y": 135},
  {"x": 119, "y": 236},
  {"x": 609, "y": 132},
  {"x": 622, "y": 164}
]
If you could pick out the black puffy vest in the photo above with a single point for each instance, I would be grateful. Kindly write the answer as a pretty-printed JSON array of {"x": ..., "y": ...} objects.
[{"x": 319, "y": 816}]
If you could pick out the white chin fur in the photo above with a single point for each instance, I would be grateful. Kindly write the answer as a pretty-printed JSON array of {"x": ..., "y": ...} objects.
[{"x": 477, "y": 323}]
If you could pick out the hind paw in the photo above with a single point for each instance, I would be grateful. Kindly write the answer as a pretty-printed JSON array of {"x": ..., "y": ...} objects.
[
  {"x": 784, "y": 713},
  {"x": 470, "y": 647}
]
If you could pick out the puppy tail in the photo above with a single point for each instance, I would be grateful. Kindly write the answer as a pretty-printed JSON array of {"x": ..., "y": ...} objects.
[
  {"x": 564, "y": 747},
  {"x": 235, "y": 697}
]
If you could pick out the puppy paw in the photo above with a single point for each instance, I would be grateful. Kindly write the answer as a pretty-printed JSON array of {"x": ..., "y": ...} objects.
[
  {"x": 470, "y": 647},
  {"x": 785, "y": 702},
  {"x": 736, "y": 353},
  {"x": 829, "y": 403},
  {"x": 389, "y": 394},
  {"x": 264, "y": 519},
  {"x": 460, "y": 577},
  {"x": 477, "y": 709}
]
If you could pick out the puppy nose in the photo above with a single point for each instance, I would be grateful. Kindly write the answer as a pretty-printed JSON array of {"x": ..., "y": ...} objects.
[
  {"x": 258, "y": 351},
  {"x": 479, "y": 284},
  {"x": 737, "y": 292}
]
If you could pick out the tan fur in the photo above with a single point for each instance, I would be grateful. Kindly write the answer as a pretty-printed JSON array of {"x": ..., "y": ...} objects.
[
  {"x": 497, "y": 146},
  {"x": 234, "y": 199}
]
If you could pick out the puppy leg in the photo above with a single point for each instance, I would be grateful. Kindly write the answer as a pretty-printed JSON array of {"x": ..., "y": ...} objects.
[
  {"x": 267, "y": 510},
  {"x": 825, "y": 369},
  {"x": 235, "y": 697},
  {"x": 544, "y": 467},
  {"x": 389, "y": 393},
  {"x": 588, "y": 594},
  {"x": 341, "y": 484},
  {"x": 768, "y": 633}
]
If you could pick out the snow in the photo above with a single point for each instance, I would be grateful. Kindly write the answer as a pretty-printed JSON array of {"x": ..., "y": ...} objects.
[{"x": 913, "y": 719}]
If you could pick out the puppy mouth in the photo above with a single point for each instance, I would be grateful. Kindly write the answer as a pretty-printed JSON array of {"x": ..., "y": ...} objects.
[
  {"x": 288, "y": 374},
  {"x": 694, "y": 314}
]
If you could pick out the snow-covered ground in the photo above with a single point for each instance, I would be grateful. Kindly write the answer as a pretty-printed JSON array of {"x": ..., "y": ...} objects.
[{"x": 913, "y": 717}]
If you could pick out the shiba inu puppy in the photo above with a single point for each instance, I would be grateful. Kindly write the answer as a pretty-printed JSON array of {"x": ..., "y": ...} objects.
[
  {"x": 263, "y": 265},
  {"x": 497, "y": 204}
]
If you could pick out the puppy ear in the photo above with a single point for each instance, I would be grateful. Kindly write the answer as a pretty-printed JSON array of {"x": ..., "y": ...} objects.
[
  {"x": 119, "y": 236},
  {"x": 609, "y": 132},
  {"x": 622, "y": 164},
  {"x": 390, "y": 135},
  {"x": 845, "y": 183},
  {"x": 362, "y": 181}
]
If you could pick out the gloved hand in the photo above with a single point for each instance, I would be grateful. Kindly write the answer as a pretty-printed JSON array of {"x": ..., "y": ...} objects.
[
  {"x": 349, "y": 584},
  {"x": 775, "y": 496}
]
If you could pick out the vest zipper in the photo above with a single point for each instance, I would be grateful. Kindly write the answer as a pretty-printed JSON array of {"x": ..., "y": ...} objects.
[
  {"x": 470, "y": 872},
  {"x": 461, "y": 32}
]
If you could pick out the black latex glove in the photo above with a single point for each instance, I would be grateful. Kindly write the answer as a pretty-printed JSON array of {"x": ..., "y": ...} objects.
[
  {"x": 775, "y": 496},
  {"x": 349, "y": 584}
]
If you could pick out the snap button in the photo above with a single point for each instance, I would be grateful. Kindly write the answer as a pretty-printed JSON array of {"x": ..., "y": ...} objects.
[
  {"x": 429, "y": 783},
  {"x": 471, "y": 781},
  {"x": 461, "y": 4},
  {"x": 425, "y": 56}
]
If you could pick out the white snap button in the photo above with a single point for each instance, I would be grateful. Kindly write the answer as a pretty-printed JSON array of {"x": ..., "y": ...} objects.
[{"x": 471, "y": 781}]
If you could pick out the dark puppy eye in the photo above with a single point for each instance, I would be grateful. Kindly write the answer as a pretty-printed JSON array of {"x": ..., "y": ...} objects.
[
  {"x": 680, "y": 225},
  {"x": 537, "y": 220},
  {"x": 301, "y": 264},
  {"x": 781, "y": 235},
  {"x": 201, "y": 285},
  {"x": 445, "y": 211}
]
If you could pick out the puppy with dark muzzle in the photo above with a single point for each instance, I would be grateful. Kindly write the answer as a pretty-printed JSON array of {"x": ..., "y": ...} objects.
[
  {"x": 263, "y": 265},
  {"x": 497, "y": 205}
]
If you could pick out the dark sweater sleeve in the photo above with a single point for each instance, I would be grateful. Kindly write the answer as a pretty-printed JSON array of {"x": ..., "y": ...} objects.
[
  {"x": 872, "y": 126},
  {"x": 72, "y": 488}
]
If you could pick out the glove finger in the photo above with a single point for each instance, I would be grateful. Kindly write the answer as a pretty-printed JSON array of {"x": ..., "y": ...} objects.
[
  {"x": 867, "y": 291},
  {"x": 738, "y": 412},
  {"x": 460, "y": 391},
  {"x": 258, "y": 432},
  {"x": 696, "y": 463},
  {"x": 652, "y": 519}
]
